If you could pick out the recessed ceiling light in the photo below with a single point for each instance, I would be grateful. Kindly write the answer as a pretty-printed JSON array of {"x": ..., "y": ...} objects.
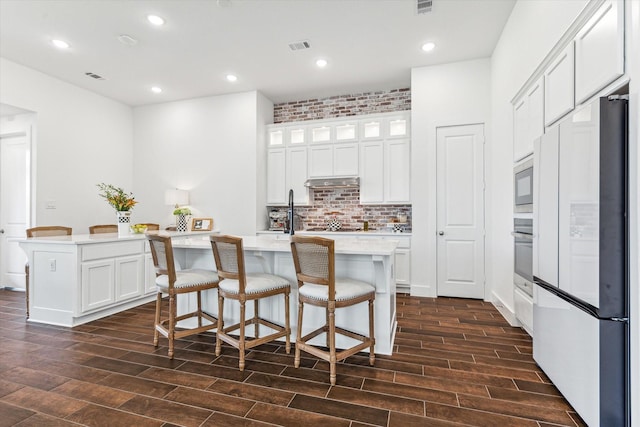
[
  {"x": 155, "y": 20},
  {"x": 156, "y": 89},
  {"x": 321, "y": 63},
  {"x": 61, "y": 44},
  {"x": 231, "y": 78},
  {"x": 428, "y": 47}
]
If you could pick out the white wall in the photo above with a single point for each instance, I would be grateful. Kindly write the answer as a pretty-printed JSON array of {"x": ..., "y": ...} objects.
[
  {"x": 81, "y": 139},
  {"x": 207, "y": 146},
  {"x": 441, "y": 95},
  {"x": 264, "y": 117},
  {"x": 533, "y": 29}
]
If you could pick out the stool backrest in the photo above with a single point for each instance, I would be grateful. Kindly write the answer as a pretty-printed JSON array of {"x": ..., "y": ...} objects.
[
  {"x": 229, "y": 256},
  {"x": 162, "y": 254},
  {"x": 52, "y": 230},
  {"x": 103, "y": 228},
  {"x": 314, "y": 259}
]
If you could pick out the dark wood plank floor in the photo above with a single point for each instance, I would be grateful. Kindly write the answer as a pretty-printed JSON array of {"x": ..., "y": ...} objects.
[{"x": 456, "y": 362}]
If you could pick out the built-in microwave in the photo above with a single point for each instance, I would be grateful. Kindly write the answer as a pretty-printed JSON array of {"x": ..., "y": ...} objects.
[{"x": 523, "y": 187}]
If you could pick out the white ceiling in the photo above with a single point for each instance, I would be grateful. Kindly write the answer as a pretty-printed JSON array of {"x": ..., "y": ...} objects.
[{"x": 370, "y": 44}]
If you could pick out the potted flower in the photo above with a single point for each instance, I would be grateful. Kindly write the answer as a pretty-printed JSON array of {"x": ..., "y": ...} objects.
[
  {"x": 181, "y": 218},
  {"x": 121, "y": 201}
]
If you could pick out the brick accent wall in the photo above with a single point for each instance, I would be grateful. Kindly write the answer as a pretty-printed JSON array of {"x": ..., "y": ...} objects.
[
  {"x": 343, "y": 106},
  {"x": 345, "y": 201},
  {"x": 344, "y": 205}
]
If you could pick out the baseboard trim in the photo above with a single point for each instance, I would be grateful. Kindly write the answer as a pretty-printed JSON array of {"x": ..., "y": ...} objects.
[{"x": 508, "y": 314}]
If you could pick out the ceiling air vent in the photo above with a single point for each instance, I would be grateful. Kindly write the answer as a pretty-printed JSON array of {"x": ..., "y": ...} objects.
[
  {"x": 301, "y": 45},
  {"x": 94, "y": 75},
  {"x": 424, "y": 6}
]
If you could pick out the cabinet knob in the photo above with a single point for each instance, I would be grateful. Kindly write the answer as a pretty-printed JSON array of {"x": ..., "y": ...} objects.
[
  {"x": 441, "y": 233},
  {"x": 1, "y": 230}
]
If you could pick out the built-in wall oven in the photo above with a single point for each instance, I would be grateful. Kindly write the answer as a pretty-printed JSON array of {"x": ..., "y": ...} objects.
[
  {"x": 523, "y": 254},
  {"x": 523, "y": 187}
]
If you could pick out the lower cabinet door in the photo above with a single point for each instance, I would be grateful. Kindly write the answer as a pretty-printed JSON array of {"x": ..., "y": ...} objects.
[
  {"x": 98, "y": 284},
  {"x": 149, "y": 274},
  {"x": 403, "y": 266},
  {"x": 129, "y": 277}
]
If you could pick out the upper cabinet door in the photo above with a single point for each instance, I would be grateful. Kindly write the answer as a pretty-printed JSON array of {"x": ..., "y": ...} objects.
[
  {"x": 558, "y": 86},
  {"x": 600, "y": 50},
  {"x": 535, "y": 98},
  {"x": 520, "y": 128}
]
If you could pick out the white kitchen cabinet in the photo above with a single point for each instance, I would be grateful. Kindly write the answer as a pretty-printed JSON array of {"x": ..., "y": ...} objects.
[
  {"x": 329, "y": 160},
  {"x": 276, "y": 137},
  {"x": 397, "y": 127},
  {"x": 97, "y": 284},
  {"x": 296, "y": 135},
  {"x": 347, "y": 132},
  {"x": 528, "y": 121},
  {"x": 129, "y": 277},
  {"x": 559, "y": 86},
  {"x": 322, "y": 133},
  {"x": 296, "y": 174},
  {"x": 599, "y": 48},
  {"x": 372, "y": 172},
  {"x": 385, "y": 172},
  {"x": 397, "y": 176},
  {"x": 523, "y": 307},
  {"x": 371, "y": 129},
  {"x": 403, "y": 267},
  {"x": 276, "y": 176}
]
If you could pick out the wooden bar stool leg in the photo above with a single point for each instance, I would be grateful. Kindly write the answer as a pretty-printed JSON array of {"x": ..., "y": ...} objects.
[
  {"x": 372, "y": 354},
  {"x": 256, "y": 307},
  {"x": 296, "y": 359},
  {"x": 157, "y": 322},
  {"x": 220, "y": 323},
  {"x": 199, "y": 309},
  {"x": 332, "y": 343},
  {"x": 172, "y": 321},
  {"x": 242, "y": 332},
  {"x": 287, "y": 324}
]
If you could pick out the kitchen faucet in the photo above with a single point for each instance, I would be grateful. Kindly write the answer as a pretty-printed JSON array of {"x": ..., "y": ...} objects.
[{"x": 290, "y": 213}]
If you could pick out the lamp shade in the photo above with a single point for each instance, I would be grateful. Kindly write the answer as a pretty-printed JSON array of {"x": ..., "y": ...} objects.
[{"x": 176, "y": 197}]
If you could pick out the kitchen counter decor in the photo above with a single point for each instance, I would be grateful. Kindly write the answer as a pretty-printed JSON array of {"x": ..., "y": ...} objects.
[
  {"x": 121, "y": 201},
  {"x": 181, "y": 218}
]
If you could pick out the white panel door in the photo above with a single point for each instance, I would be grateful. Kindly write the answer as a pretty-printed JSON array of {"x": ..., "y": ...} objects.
[
  {"x": 129, "y": 277},
  {"x": 297, "y": 174},
  {"x": 320, "y": 161},
  {"x": 520, "y": 128},
  {"x": 397, "y": 174},
  {"x": 545, "y": 207},
  {"x": 276, "y": 176},
  {"x": 345, "y": 159},
  {"x": 14, "y": 207},
  {"x": 558, "y": 86},
  {"x": 460, "y": 211},
  {"x": 371, "y": 172}
]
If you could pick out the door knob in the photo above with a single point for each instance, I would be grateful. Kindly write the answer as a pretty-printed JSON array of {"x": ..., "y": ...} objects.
[
  {"x": 441, "y": 233},
  {"x": 1, "y": 230}
]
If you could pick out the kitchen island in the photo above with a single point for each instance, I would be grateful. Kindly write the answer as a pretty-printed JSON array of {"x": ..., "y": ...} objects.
[
  {"x": 371, "y": 261},
  {"x": 83, "y": 277}
]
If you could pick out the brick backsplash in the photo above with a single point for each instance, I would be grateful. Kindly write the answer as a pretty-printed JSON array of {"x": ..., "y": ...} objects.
[
  {"x": 344, "y": 205},
  {"x": 343, "y": 106},
  {"x": 345, "y": 201}
]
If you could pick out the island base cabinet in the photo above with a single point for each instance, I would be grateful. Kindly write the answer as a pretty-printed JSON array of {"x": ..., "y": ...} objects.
[
  {"x": 98, "y": 284},
  {"x": 49, "y": 291}
]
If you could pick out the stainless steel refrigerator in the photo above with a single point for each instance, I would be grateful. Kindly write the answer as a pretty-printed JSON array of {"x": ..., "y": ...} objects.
[{"x": 581, "y": 292}]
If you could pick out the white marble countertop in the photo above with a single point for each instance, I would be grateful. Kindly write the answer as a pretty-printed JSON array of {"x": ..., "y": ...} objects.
[
  {"x": 83, "y": 239},
  {"x": 269, "y": 244}
]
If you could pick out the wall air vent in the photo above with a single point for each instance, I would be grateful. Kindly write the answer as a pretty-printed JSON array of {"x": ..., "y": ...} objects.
[
  {"x": 301, "y": 45},
  {"x": 94, "y": 76},
  {"x": 424, "y": 6}
]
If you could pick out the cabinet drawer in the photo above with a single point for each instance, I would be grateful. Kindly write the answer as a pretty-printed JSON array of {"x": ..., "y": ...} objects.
[
  {"x": 111, "y": 250},
  {"x": 403, "y": 242}
]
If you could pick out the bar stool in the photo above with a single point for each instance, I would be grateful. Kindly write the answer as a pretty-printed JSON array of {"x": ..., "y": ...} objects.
[
  {"x": 43, "y": 231},
  {"x": 314, "y": 259},
  {"x": 172, "y": 282},
  {"x": 238, "y": 285}
]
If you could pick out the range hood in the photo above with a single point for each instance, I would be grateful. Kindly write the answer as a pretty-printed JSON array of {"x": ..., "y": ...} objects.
[{"x": 337, "y": 182}]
